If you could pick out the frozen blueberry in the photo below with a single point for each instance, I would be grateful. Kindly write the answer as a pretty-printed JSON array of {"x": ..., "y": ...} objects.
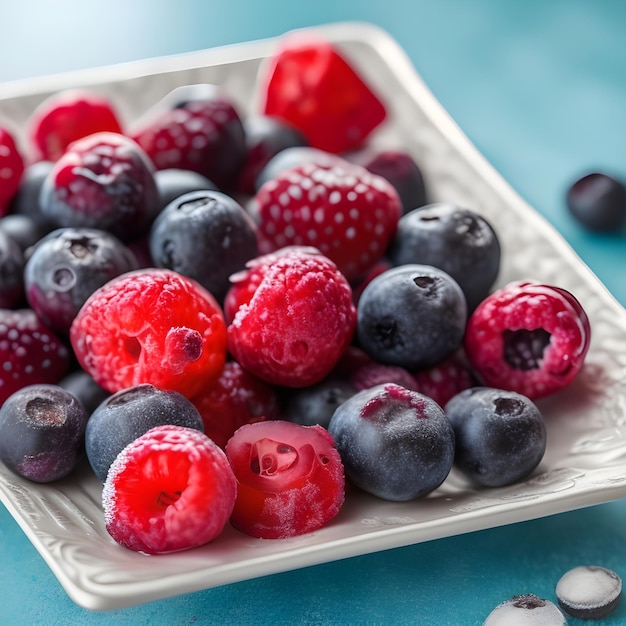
[
  {"x": 85, "y": 389},
  {"x": 459, "y": 241},
  {"x": 172, "y": 183},
  {"x": 26, "y": 201},
  {"x": 42, "y": 430},
  {"x": 11, "y": 271},
  {"x": 395, "y": 443},
  {"x": 589, "y": 592},
  {"x": 526, "y": 610},
  {"x": 204, "y": 235},
  {"x": 67, "y": 266},
  {"x": 130, "y": 413},
  {"x": 413, "y": 316},
  {"x": 500, "y": 435},
  {"x": 598, "y": 202},
  {"x": 23, "y": 229}
]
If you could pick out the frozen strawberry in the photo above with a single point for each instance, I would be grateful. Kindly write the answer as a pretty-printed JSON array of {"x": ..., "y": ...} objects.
[
  {"x": 30, "y": 353},
  {"x": 295, "y": 322},
  {"x": 528, "y": 337},
  {"x": 195, "y": 127},
  {"x": 151, "y": 326},
  {"x": 67, "y": 116},
  {"x": 235, "y": 399},
  {"x": 308, "y": 83},
  {"x": 346, "y": 212},
  {"x": 170, "y": 490},
  {"x": 290, "y": 478},
  {"x": 11, "y": 169}
]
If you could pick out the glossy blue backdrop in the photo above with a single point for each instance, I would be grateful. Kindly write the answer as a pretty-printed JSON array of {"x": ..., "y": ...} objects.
[{"x": 540, "y": 88}]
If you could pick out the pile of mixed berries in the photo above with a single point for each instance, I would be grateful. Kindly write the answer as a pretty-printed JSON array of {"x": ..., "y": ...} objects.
[{"x": 238, "y": 320}]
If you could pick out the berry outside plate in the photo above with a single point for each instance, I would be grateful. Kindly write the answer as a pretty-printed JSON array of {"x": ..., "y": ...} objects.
[{"x": 586, "y": 423}]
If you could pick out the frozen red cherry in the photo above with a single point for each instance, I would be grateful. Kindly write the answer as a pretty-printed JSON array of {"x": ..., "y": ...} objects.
[
  {"x": 290, "y": 478},
  {"x": 292, "y": 317},
  {"x": 528, "y": 337},
  {"x": 151, "y": 326},
  {"x": 171, "y": 489}
]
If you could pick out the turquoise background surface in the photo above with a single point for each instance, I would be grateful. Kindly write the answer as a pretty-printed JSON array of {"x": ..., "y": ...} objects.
[{"x": 540, "y": 88}]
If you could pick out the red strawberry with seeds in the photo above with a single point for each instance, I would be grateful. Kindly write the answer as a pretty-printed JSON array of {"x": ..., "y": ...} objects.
[
  {"x": 11, "y": 169},
  {"x": 171, "y": 489},
  {"x": 29, "y": 352},
  {"x": 309, "y": 84},
  {"x": 195, "y": 127},
  {"x": 67, "y": 116},
  {"x": 343, "y": 210}
]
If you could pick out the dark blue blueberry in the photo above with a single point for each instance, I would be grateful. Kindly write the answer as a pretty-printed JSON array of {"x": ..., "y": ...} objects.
[
  {"x": 67, "y": 266},
  {"x": 205, "y": 235},
  {"x": 399, "y": 168},
  {"x": 23, "y": 229},
  {"x": 266, "y": 136},
  {"x": 85, "y": 389},
  {"x": 500, "y": 435},
  {"x": 291, "y": 157},
  {"x": 11, "y": 272},
  {"x": 598, "y": 202},
  {"x": 413, "y": 316},
  {"x": 395, "y": 443},
  {"x": 459, "y": 241},
  {"x": 26, "y": 201},
  {"x": 128, "y": 414},
  {"x": 317, "y": 403},
  {"x": 42, "y": 431},
  {"x": 172, "y": 183}
]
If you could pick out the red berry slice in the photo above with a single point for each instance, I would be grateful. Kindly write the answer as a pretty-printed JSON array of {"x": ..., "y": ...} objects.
[
  {"x": 151, "y": 326},
  {"x": 67, "y": 116},
  {"x": 346, "y": 212},
  {"x": 171, "y": 489},
  {"x": 310, "y": 84},
  {"x": 290, "y": 478},
  {"x": 295, "y": 317},
  {"x": 529, "y": 338}
]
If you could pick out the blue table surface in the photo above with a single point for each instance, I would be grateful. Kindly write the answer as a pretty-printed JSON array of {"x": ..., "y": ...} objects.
[{"x": 540, "y": 88}]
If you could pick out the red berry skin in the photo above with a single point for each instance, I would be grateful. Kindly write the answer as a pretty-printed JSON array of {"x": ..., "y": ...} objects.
[
  {"x": 197, "y": 128},
  {"x": 443, "y": 381},
  {"x": 309, "y": 84},
  {"x": 11, "y": 169},
  {"x": 290, "y": 479},
  {"x": 30, "y": 353},
  {"x": 528, "y": 337},
  {"x": 172, "y": 489},
  {"x": 346, "y": 212},
  {"x": 103, "y": 181},
  {"x": 65, "y": 117},
  {"x": 298, "y": 321},
  {"x": 235, "y": 399},
  {"x": 151, "y": 326}
]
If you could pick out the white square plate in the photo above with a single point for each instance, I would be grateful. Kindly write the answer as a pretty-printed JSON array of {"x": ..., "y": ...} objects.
[{"x": 586, "y": 454}]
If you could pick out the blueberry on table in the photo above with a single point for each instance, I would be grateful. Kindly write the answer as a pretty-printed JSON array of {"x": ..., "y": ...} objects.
[
  {"x": 526, "y": 609},
  {"x": 130, "y": 413},
  {"x": 598, "y": 202},
  {"x": 457, "y": 240},
  {"x": 500, "y": 435},
  {"x": 42, "y": 430},
  {"x": 395, "y": 443},
  {"x": 413, "y": 316}
]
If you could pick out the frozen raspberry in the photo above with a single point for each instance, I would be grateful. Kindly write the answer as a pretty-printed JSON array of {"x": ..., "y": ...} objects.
[
  {"x": 235, "y": 399},
  {"x": 195, "y": 127},
  {"x": 103, "y": 181},
  {"x": 444, "y": 380},
  {"x": 290, "y": 479},
  {"x": 346, "y": 212},
  {"x": 170, "y": 490},
  {"x": 30, "y": 353},
  {"x": 151, "y": 326},
  {"x": 528, "y": 337},
  {"x": 67, "y": 116},
  {"x": 294, "y": 319},
  {"x": 11, "y": 169},
  {"x": 308, "y": 83},
  {"x": 372, "y": 374}
]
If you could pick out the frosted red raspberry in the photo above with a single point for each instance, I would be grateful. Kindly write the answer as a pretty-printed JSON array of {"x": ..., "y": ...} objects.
[
  {"x": 151, "y": 326},
  {"x": 292, "y": 317}
]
